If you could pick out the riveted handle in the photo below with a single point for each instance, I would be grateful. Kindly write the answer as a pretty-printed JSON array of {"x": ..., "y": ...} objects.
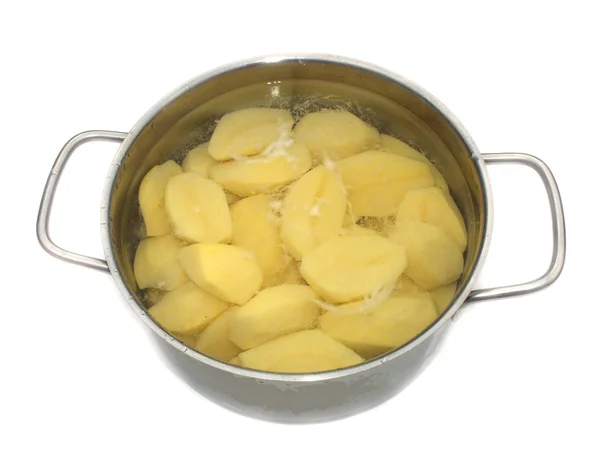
[
  {"x": 43, "y": 219},
  {"x": 557, "y": 261}
]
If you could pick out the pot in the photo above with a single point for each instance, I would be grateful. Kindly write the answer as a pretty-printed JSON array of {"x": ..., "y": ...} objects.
[{"x": 187, "y": 115}]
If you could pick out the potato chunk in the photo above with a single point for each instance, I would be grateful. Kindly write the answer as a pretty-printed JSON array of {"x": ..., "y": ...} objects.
[
  {"x": 228, "y": 272},
  {"x": 248, "y": 132},
  {"x": 313, "y": 211},
  {"x": 436, "y": 207},
  {"x": 335, "y": 134},
  {"x": 214, "y": 340},
  {"x": 391, "y": 324},
  {"x": 198, "y": 209},
  {"x": 187, "y": 309},
  {"x": 300, "y": 352},
  {"x": 152, "y": 198},
  {"x": 266, "y": 172},
  {"x": 397, "y": 147},
  {"x": 274, "y": 312},
  {"x": 443, "y": 296},
  {"x": 433, "y": 258},
  {"x": 345, "y": 269},
  {"x": 377, "y": 181},
  {"x": 198, "y": 160},
  {"x": 155, "y": 264},
  {"x": 254, "y": 228}
]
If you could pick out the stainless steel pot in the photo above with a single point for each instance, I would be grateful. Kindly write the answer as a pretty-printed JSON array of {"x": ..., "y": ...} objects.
[{"x": 185, "y": 117}]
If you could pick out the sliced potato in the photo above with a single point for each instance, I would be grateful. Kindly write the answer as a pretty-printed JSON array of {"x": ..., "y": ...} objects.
[
  {"x": 255, "y": 229},
  {"x": 391, "y": 324},
  {"x": 405, "y": 284},
  {"x": 152, "y": 198},
  {"x": 248, "y": 132},
  {"x": 433, "y": 258},
  {"x": 377, "y": 181},
  {"x": 214, "y": 340},
  {"x": 187, "y": 309},
  {"x": 290, "y": 275},
  {"x": 155, "y": 264},
  {"x": 313, "y": 211},
  {"x": 274, "y": 312},
  {"x": 228, "y": 272},
  {"x": 335, "y": 134},
  {"x": 263, "y": 173},
  {"x": 397, "y": 147},
  {"x": 235, "y": 361},
  {"x": 436, "y": 207},
  {"x": 358, "y": 230},
  {"x": 198, "y": 209},
  {"x": 443, "y": 296},
  {"x": 346, "y": 269},
  {"x": 300, "y": 352},
  {"x": 198, "y": 160}
]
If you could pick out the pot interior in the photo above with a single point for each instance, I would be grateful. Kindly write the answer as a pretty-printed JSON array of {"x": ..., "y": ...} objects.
[{"x": 188, "y": 116}]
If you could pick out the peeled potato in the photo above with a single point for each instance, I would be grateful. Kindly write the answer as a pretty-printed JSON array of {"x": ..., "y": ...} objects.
[
  {"x": 335, "y": 134},
  {"x": 397, "y": 147},
  {"x": 377, "y": 181},
  {"x": 300, "y": 352},
  {"x": 228, "y": 272},
  {"x": 187, "y": 309},
  {"x": 198, "y": 160},
  {"x": 313, "y": 211},
  {"x": 152, "y": 198},
  {"x": 274, "y": 312},
  {"x": 391, "y": 324},
  {"x": 436, "y": 207},
  {"x": 254, "y": 228},
  {"x": 433, "y": 258},
  {"x": 214, "y": 340},
  {"x": 358, "y": 230},
  {"x": 248, "y": 132},
  {"x": 290, "y": 275},
  {"x": 155, "y": 264},
  {"x": 197, "y": 209},
  {"x": 443, "y": 296},
  {"x": 346, "y": 269},
  {"x": 405, "y": 284},
  {"x": 263, "y": 173}
]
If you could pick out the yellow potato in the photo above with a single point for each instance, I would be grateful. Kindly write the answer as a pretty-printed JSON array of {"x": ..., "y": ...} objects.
[
  {"x": 198, "y": 209},
  {"x": 443, "y": 296},
  {"x": 255, "y": 229},
  {"x": 400, "y": 148},
  {"x": 235, "y": 361},
  {"x": 313, "y": 211},
  {"x": 346, "y": 269},
  {"x": 290, "y": 275},
  {"x": 155, "y": 264},
  {"x": 263, "y": 173},
  {"x": 198, "y": 160},
  {"x": 391, "y": 324},
  {"x": 214, "y": 340},
  {"x": 377, "y": 181},
  {"x": 335, "y": 134},
  {"x": 187, "y": 309},
  {"x": 152, "y": 198},
  {"x": 405, "y": 284},
  {"x": 273, "y": 312},
  {"x": 228, "y": 272},
  {"x": 300, "y": 352},
  {"x": 433, "y": 258},
  {"x": 434, "y": 206},
  {"x": 248, "y": 132},
  {"x": 358, "y": 230}
]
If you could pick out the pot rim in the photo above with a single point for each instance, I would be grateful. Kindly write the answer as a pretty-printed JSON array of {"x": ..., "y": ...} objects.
[{"x": 237, "y": 371}]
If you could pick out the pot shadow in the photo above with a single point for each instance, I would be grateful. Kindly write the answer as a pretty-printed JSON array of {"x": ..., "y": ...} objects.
[{"x": 294, "y": 402}]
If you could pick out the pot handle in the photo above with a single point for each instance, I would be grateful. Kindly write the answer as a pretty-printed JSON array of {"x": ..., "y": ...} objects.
[
  {"x": 43, "y": 218},
  {"x": 558, "y": 230}
]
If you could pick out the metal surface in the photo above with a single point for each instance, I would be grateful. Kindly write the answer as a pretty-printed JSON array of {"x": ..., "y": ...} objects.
[
  {"x": 43, "y": 219},
  {"x": 172, "y": 125},
  {"x": 559, "y": 244}
]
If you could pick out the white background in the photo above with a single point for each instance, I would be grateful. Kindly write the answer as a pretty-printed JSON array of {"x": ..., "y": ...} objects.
[{"x": 79, "y": 371}]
